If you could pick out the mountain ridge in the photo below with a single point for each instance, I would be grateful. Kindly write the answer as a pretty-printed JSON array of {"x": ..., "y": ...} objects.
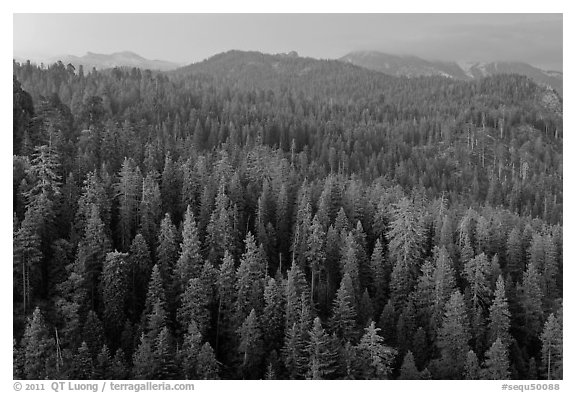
[{"x": 413, "y": 66}]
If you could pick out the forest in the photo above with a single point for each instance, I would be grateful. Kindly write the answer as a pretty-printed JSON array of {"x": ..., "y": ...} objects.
[{"x": 259, "y": 216}]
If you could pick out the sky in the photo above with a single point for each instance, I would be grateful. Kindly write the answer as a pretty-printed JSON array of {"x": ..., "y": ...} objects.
[{"x": 185, "y": 38}]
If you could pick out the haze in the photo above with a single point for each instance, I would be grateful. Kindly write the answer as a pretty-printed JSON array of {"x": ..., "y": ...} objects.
[{"x": 185, "y": 38}]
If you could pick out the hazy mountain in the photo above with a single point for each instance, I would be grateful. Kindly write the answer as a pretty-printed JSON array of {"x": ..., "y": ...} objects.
[
  {"x": 412, "y": 66},
  {"x": 119, "y": 59}
]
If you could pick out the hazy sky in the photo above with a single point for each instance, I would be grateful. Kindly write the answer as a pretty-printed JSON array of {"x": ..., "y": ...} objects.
[{"x": 186, "y": 38}]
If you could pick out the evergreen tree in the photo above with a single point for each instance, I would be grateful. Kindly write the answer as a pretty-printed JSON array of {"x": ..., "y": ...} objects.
[
  {"x": 514, "y": 253},
  {"x": 250, "y": 348},
  {"x": 144, "y": 363},
  {"x": 93, "y": 333},
  {"x": 103, "y": 366},
  {"x": 499, "y": 326},
  {"x": 207, "y": 367},
  {"x": 83, "y": 366},
  {"x": 128, "y": 192},
  {"x": 188, "y": 355},
  {"x": 322, "y": 360},
  {"x": 296, "y": 287},
  {"x": 118, "y": 369},
  {"x": 408, "y": 371},
  {"x": 226, "y": 291},
  {"x": 477, "y": 271},
  {"x": 273, "y": 317},
  {"x": 149, "y": 210},
  {"x": 114, "y": 285},
  {"x": 552, "y": 354},
  {"x": 496, "y": 365},
  {"x": 249, "y": 284},
  {"x": 454, "y": 336},
  {"x": 27, "y": 260},
  {"x": 37, "y": 345},
  {"x": 315, "y": 254},
  {"x": 374, "y": 357},
  {"x": 531, "y": 300},
  {"x": 139, "y": 268},
  {"x": 166, "y": 367},
  {"x": 189, "y": 263},
  {"x": 381, "y": 276},
  {"x": 166, "y": 256},
  {"x": 472, "y": 369},
  {"x": 198, "y": 299},
  {"x": 343, "y": 321}
]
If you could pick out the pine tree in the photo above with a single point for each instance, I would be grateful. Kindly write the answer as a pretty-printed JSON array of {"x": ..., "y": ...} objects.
[
  {"x": 128, "y": 194},
  {"x": 103, "y": 366},
  {"x": 552, "y": 354},
  {"x": 454, "y": 336},
  {"x": 167, "y": 255},
  {"x": 37, "y": 345},
  {"x": 207, "y": 367},
  {"x": 149, "y": 210},
  {"x": 343, "y": 321},
  {"x": 472, "y": 369},
  {"x": 296, "y": 287},
  {"x": 477, "y": 271},
  {"x": 350, "y": 263},
  {"x": 273, "y": 317},
  {"x": 444, "y": 284},
  {"x": 250, "y": 284},
  {"x": 294, "y": 351},
  {"x": 188, "y": 355},
  {"x": 381, "y": 276},
  {"x": 406, "y": 239},
  {"x": 189, "y": 263},
  {"x": 365, "y": 309},
  {"x": 250, "y": 348},
  {"x": 198, "y": 299},
  {"x": 118, "y": 369},
  {"x": 143, "y": 360},
  {"x": 114, "y": 285},
  {"x": 496, "y": 365},
  {"x": 374, "y": 357},
  {"x": 387, "y": 323},
  {"x": 138, "y": 272},
  {"x": 408, "y": 371},
  {"x": 220, "y": 235},
  {"x": 550, "y": 271},
  {"x": 315, "y": 254},
  {"x": 166, "y": 367},
  {"x": 514, "y": 254},
  {"x": 499, "y": 326},
  {"x": 92, "y": 252},
  {"x": 531, "y": 300},
  {"x": 27, "y": 259},
  {"x": 83, "y": 366},
  {"x": 93, "y": 333},
  {"x": 155, "y": 292},
  {"x": 322, "y": 360},
  {"x": 226, "y": 290},
  {"x": 170, "y": 188}
]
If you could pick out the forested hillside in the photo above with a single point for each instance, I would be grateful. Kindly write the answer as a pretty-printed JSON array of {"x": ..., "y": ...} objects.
[{"x": 256, "y": 216}]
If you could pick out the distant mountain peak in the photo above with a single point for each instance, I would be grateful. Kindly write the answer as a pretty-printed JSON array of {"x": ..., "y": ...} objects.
[
  {"x": 413, "y": 66},
  {"x": 124, "y": 58}
]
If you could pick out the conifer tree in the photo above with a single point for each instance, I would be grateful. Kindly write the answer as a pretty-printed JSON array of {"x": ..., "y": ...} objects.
[
  {"x": 381, "y": 276},
  {"x": 143, "y": 361},
  {"x": 387, "y": 323},
  {"x": 188, "y": 355},
  {"x": 128, "y": 194},
  {"x": 250, "y": 284},
  {"x": 207, "y": 367},
  {"x": 315, "y": 254},
  {"x": 170, "y": 188},
  {"x": 496, "y": 365},
  {"x": 165, "y": 366},
  {"x": 93, "y": 333},
  {"x": 155, "y": 292},
  {"x": 552, "y": 357},
  {"x": 408, "y": 370},
  {"x": 139, "y": 270},
  {"x": 189, "y": 263},
  {"x": 296, "y": 287},
  {"x": 454, "y": 336},
  {"x": 374, "y": 357},
  {"x": 273, "y": 317},
  {"x": 477, "y": 271},
  {"x": 118, "y": 369},
  {"x": 114, "y": 285},
  {"x": 226, "y": 292},
  {"x": 472, "y": 369},
  {"x": 27, "y": 260},
  {"x": 198, "y": 299},
  {"x": 103, "y": 366},
  {"x": 92, "y": 252},
  {"x": 250, "y": 347},
  {"x": 514, "y": 254},
  {"x": 37, "y": 346},
  {"x": 149, "y": 210},
  {"x": 531, "y": 300},
  {"x": 83, "y": 365},
  {"x": 321, "y": 358},
  {"x": 499, "y": 326},
  {"x": 343, "y": 321}
]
